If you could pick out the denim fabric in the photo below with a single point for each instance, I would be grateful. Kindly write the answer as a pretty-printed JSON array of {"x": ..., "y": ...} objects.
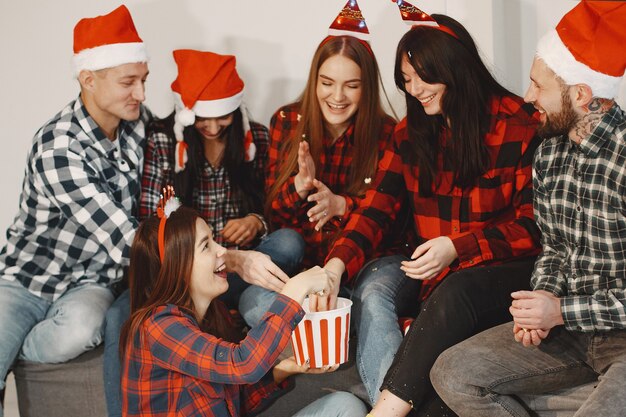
[
  {"x": 376, "y": 302},
  {"x": 485, "y": 375},
  {"x": 465, "y": 303},
  {"x": 40, "y": 331},
  {"x": 288, "y": 249},
  {"x": 115, "y": 318},
  {"x": 337, "y": 404},
  {"x": 285, "y": 247}
]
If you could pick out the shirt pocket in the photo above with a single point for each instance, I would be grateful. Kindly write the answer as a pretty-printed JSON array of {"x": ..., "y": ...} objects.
[{"x": 492, "y": 195}]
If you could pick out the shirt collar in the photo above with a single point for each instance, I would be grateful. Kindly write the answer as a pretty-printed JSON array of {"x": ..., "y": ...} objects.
[{"x": 591, "y": 145}]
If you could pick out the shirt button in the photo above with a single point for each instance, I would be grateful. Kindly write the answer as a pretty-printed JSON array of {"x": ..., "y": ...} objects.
[
  {"x": 471, "y": 262},
  {"x": 578, "y": 208},
  {"x": 456, "y": 229}
]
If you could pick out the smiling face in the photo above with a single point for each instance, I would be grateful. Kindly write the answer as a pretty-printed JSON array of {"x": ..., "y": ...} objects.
[
  {"x": 213, "y": 128},
  {"x": 338, "y": 92},
  {"x": 117, "y": 92},
  {"x": 552, "y": 100},
  {"x": 429, "y": 95},
  {"x": 208, "y": 277}
]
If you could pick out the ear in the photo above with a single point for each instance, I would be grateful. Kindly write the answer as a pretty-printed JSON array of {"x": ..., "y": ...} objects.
[
  {"x": 86, "y": 80},
  {"x": 582, "y": 95}
]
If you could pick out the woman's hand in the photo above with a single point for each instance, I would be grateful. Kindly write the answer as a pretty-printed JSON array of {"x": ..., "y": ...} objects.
[
  {"x": 314, "y": 280},
  {"x": 327, "y": 205},
  {"x": 328, "y": 301},
  {"x": 303, "y": 180},
  {"x": 430, "y": 258},
  {"x": 288, "y": 367},
  {"x": 242, "y": 231}
]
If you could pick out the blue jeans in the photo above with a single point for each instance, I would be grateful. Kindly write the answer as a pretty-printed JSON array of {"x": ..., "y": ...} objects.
[
  {"x": 486, "y": 374},
  {"x": 285, "y": 247},
  {"x": 337, "y": 404},
  {"x": 375, "y": 299},
  {"x": 38, "y": 330}
]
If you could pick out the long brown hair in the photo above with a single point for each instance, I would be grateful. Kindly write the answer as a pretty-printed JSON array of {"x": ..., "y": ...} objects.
[
  {"x": 368, "y": 120},
  {"x": 153, "y": 284},
  {"x": 438, "y": 57}
]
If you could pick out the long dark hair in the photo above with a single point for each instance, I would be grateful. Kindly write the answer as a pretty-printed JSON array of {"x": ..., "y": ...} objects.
[
  {"x": 368, "y": 123},
  {"x": 153, "y": 284},
  {"x": 244, "y": 181},
  {"x": 438, "y": 57}
]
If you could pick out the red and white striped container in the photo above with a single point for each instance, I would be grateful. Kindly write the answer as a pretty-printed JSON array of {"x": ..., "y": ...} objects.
[{"x": 322, "y": 336}]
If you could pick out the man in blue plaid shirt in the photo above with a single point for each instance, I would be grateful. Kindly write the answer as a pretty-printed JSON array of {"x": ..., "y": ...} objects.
[
  {"x": 571, "y": 329},
  {"x": 70, "y": 239}
]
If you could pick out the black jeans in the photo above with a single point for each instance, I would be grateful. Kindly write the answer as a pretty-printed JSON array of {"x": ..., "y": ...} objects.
[{"x": 465, "y": 303}]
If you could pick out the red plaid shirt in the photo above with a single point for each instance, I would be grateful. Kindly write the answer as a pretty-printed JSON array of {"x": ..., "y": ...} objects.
[
  {"x": 212, "y": 196},
  {"x": 288, "y": 209},
  {"x": 489, "y": 223},
  {"x": 172, "y": 368}
]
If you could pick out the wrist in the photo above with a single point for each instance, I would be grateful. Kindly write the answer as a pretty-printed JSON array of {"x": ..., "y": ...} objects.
[{"x": 262, "y": 229}]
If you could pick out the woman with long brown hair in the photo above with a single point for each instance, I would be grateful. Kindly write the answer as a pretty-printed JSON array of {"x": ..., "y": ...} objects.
[
  {"x": 181, "y": 354},
  {"x": 324, "y": 148}
]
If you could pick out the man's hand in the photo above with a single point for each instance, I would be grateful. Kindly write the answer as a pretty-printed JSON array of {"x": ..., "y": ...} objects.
[
  {"x": 242, "y": 231},
  {"x": 430, "y": 258},
  {"x": 529, "y": 337},
  {"x": 536, "y": 310},
  {"x": 327, "y": 205},
  {"x": 256, "y": 268}
]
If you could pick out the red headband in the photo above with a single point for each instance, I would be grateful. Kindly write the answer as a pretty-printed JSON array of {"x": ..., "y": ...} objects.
[
  {"x": 168, "y": 203},
  {"x": 361, "y": 41}
]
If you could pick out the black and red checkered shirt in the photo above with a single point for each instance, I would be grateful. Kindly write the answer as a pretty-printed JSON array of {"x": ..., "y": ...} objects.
[
  {"x": 489, "y": 223},
  {"x": 213, "y": 195},
  {"x": 288, "y": 209}
]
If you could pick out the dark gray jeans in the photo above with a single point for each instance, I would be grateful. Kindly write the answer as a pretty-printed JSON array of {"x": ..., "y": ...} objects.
[{"x": 485, "y": 375}]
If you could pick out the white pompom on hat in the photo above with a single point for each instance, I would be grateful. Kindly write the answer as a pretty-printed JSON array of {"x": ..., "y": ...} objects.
[
  {"x": 587, "y": 46},
  {"x": 207, "y": 85},
  {"x": 107, "y": 41}
]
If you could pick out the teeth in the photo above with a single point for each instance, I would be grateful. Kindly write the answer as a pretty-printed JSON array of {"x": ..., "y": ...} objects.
[
  {"x": 220, "y": 268},
  {"x": 337, "y": 106},
  {"x": 427, "y": 99}
]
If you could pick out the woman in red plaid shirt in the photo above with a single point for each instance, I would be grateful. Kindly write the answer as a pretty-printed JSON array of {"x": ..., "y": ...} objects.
[
  {"x": 461, "y": 161},
  {"x": 323, "y": 153},
  {"x": 181, "y": 354}
]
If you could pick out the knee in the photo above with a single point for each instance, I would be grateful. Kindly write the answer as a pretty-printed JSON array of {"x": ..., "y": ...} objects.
[
  {"x": 379, "y": 280},
  {"x": 347, "y": 404},
  {"x": 286, "y": 248},
  {"x": 446, "y": 373}
]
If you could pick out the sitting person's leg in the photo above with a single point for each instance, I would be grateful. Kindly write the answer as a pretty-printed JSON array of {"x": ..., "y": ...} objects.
[
  {"x": 376, "y": 320},
  {"x": 286, "y": 248},
  {"x": 465, "y": 303},
  {"x": 484, "y": 375},
  {"x": 72, "y": 325},
  {"x": 117, "y": 314},
  {"x": 337, "y": 404},
  {"x": 20, "y": 311}
]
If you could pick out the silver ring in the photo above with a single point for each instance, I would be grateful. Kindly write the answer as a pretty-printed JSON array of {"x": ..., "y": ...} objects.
[
  {"x": 325, "y": 213},
  {"x": 321, "y": 293}
]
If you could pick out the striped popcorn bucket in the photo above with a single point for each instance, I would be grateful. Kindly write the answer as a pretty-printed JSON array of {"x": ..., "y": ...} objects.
[{"x": 322, "y": 336}]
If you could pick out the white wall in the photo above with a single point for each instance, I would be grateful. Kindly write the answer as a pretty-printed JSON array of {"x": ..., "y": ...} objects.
[{"x": 272, "y": 39}]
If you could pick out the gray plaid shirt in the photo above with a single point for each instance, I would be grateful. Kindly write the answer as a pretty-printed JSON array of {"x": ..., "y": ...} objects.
[
  {"x": 580, "y": 207},
  {"x": 75, "y": 222}
]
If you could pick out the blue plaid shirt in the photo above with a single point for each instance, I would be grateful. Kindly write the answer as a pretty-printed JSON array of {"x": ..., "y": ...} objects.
[
  {"x": 75, "y": 222},
  {"x": 580, "y": 207}
]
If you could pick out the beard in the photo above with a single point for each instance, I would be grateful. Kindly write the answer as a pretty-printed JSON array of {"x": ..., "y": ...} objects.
[{"x": 559, "y": 124}]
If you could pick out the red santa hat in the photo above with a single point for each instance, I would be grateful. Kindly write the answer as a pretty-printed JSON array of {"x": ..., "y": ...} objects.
[
  {"x": 107, "y": 41},
  {"x": 414, "y": 16},
  {"x": 207, "y": 85},
  {"x": 587, "y": 46}
]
